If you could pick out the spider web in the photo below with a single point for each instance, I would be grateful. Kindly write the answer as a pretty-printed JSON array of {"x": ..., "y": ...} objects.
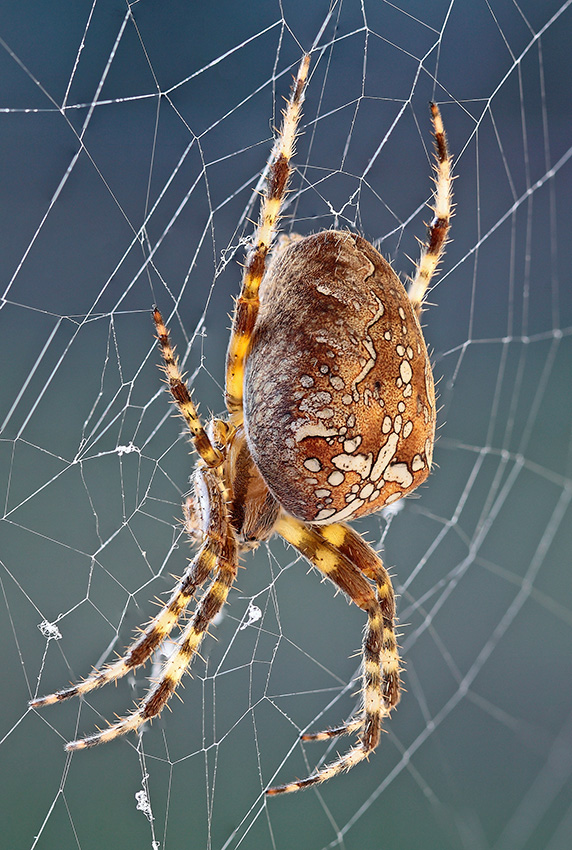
[{"x": 133, "y": 139}]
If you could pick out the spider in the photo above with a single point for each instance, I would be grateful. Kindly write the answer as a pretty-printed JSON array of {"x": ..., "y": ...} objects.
[{"x": 331, "y": 416}]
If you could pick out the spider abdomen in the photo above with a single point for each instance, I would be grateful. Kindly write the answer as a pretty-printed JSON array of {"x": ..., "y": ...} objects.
[{"x": 339, "y": 396}]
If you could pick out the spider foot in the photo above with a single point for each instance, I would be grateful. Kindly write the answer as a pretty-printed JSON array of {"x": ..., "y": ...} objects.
[
  {"x": 50, "y": 699},
  {"x": 125, "y": 724},
  {"x": 110, "y": 673},
  {"x": 346, "y": 762},
  {"x": 346, "y": 729}
]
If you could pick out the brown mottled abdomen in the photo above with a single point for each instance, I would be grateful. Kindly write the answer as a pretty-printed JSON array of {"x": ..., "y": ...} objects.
[{"x": 339, "y": 395}]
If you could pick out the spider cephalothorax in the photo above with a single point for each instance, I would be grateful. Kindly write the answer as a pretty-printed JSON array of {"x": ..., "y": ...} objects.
[{"x": 331, "y": 416}]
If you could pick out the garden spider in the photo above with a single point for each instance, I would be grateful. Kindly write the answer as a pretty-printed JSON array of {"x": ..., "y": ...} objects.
[{"x": 331, "y": 415}]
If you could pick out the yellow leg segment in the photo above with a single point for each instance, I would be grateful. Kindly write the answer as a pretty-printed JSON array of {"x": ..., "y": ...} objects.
[
  {"x": 246, "y": 309},
  {"x": 340, "y": 554},
  {"x": 182, "y": 398}
]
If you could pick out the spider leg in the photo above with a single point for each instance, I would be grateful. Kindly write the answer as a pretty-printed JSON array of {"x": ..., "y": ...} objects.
[
  {"x": 246, "y": 309},
  {"x": 432, "y": 250},
  {"x": 340, "y": 554},
  {"x": 326, "y": 734},
  {"x": 174, "y": 668},
  {"x": 180, "y": 392},
  {"x": 197, "y": 572},
  {"x": 345, "y": 540}
]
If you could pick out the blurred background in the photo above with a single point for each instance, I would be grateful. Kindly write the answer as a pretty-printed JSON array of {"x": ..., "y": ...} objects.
[{"x": 133, "y": 138}]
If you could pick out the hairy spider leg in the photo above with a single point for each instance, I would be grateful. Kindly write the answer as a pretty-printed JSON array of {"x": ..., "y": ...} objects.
[
  {"x": 174, "y": 668},
  {"x": 182, "y": 397},
  {"x": 349, "y": 543},
  {"x": 332, "y": 549},
  {"x": 197, "y": 572},
  {"x": 247, "y": 304},
  {"x": 432, "y": 249}
]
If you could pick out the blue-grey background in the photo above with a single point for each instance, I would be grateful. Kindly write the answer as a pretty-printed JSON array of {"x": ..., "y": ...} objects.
[{"x": 164, "y": 117}]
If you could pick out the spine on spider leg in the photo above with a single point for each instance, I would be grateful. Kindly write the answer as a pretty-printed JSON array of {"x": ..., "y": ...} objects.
[
  {"x": 247, "y": 304},
  {"x": 433, "y": 248},
  {"x": 181, "y": 396}
]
